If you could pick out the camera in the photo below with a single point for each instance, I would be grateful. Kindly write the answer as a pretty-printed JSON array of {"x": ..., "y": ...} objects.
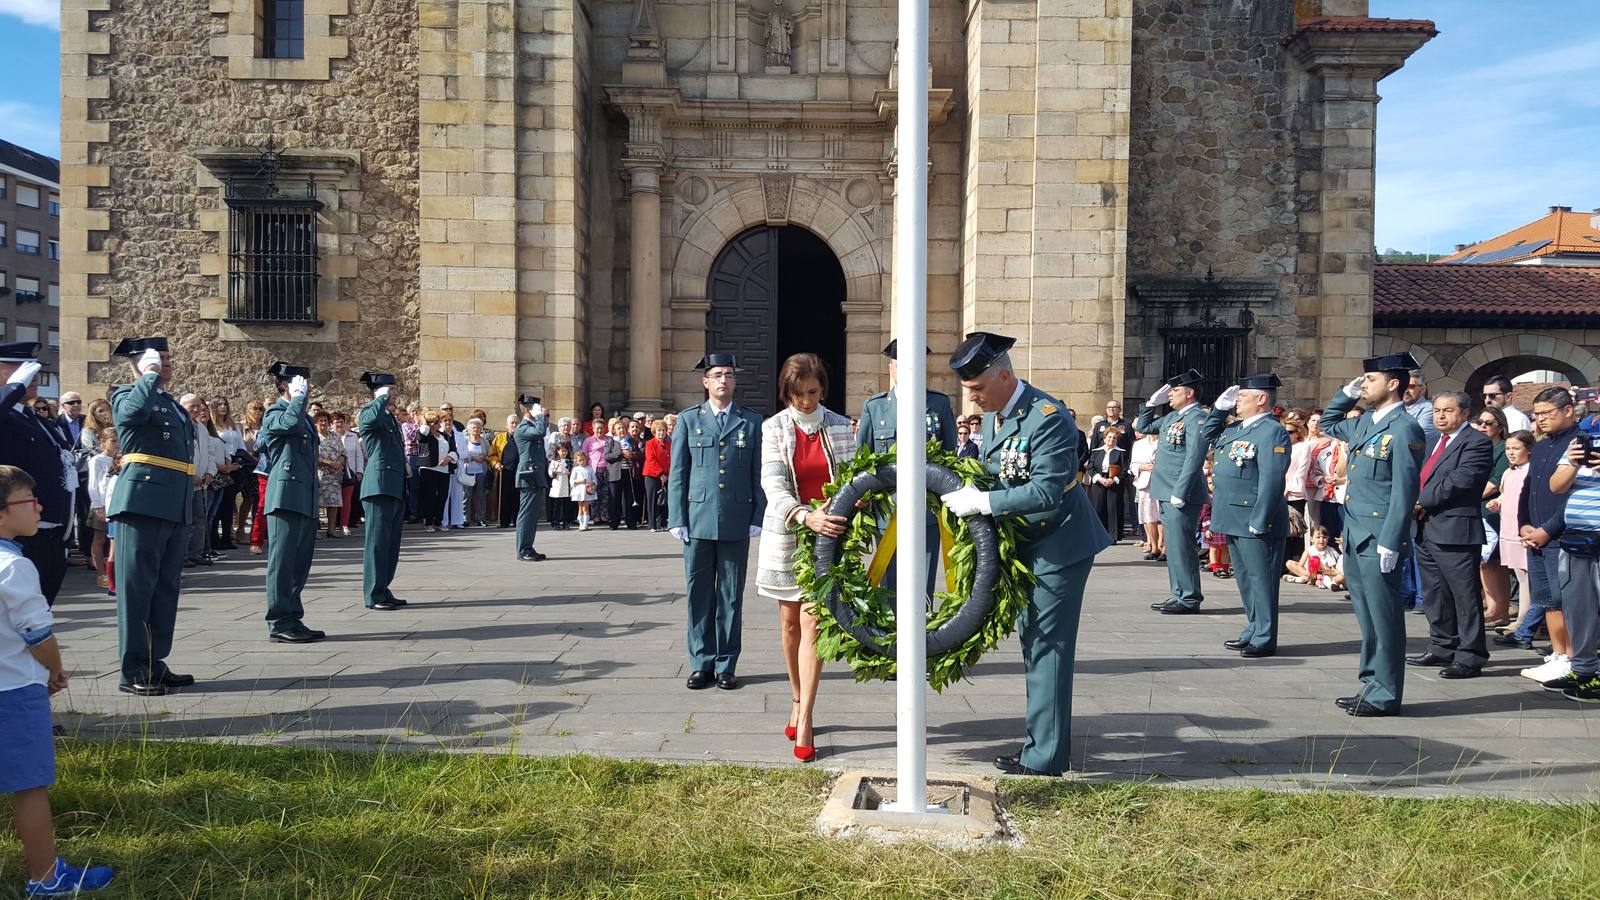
[{"x": 1589, "y": 438}]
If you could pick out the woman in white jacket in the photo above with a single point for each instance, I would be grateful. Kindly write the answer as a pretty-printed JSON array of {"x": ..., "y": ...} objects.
[{"x": 801, "y": 448}]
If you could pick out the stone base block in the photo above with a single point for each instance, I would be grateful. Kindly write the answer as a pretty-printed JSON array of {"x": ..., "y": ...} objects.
[{"x": 855, "y": 808}]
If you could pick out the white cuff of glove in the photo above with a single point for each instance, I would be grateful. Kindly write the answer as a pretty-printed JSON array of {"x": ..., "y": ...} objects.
[
  {"x": 1255, "y": 530},
  {"x": 25, "y": 372},
  {"x": 537, "y": 411},
  {"x": 150, "y": 358},
  {"x": 967, "y": 501},
  {"x": 1353, "y": 389},
  {"x": 1176, "y": 501},
  {"x": 755, "y": 531},
  {"x": 680, "y": 533},
  {"x": 297, "y": 386},
  {"x": 382, "y": 393},
  {"x": 1229, "y": 399},
  {"x": 1387, "y": 559}
]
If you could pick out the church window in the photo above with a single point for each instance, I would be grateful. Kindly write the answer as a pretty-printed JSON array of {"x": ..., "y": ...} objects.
[
  {"x": 272, "y": 260},
  {"x": 283, "y": 29}
]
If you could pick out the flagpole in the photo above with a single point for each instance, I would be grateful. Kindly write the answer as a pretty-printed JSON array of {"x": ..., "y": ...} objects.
[{"x": 911, "y": 330}]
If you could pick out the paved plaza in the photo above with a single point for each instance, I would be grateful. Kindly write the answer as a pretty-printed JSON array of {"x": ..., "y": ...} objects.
[{"x": 585, "y": 653}]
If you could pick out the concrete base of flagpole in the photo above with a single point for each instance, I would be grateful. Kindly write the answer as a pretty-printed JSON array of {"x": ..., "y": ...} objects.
[{"x": 970, "y": 816}]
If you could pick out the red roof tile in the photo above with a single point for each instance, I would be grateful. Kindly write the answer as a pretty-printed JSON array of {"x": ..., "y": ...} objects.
[
  {"x": 1365, "y": 23},
  {"x": 1562, "y": 231},
  {"x": 1431, "y": 291}
]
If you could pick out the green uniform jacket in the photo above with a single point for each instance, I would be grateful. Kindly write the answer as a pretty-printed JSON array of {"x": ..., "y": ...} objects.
[
  {"x": 149, "y": 421},
  {"x": 714, "y": 486},
  {"x": 533, "y": 467},
  {"x": 1180, "y": 453},
  {"x": 1036, "y": 456},
  {"x": 1248, "y": 470},
  {"x": 385, "y": 475},
  {"x": 291, "y": 457},
  {"x": 1385, "y": 473},
  {"x": 877, "y": 422}
]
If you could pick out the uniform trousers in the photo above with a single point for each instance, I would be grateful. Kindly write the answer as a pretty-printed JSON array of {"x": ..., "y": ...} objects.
[
  {"x": 291, "y": 541},
  {"x": 715, "y": 572},
  {"x": 1049, "y": 631},
  {"x": 1183, "y": 554},
  {"x": 1375, "y": 597},
  {"x": 1257, "y": 569},
  {"x": 149, "y": 566},
  {"x": 1452, "y": 599},
  {"x": 528, "y": 500},
  {"x": 47, "y": 550},
  {"x": 385, "y": 523}
]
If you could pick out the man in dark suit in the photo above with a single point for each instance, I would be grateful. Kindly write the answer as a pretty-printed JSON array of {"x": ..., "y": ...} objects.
[
  {"x": 1450, "y": 540},
  {"x": 36, "y": 446}
]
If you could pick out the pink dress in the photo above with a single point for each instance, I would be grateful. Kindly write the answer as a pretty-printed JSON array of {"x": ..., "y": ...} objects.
[{"x": 1512, "y": 554}]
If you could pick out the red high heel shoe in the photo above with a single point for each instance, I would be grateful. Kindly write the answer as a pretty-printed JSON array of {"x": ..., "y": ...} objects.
[
  {"x": 789, "y": 731},
  {"x": 804, "y": 753}
]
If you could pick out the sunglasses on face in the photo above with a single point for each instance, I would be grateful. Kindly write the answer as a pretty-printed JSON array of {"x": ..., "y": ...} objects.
[
  {"x": 1488, "y": 395},
  {"x": 1486, "y": 423}
]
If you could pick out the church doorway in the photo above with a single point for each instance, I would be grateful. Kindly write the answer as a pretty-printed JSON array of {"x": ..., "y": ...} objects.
[{"x": 776, "y": 291}]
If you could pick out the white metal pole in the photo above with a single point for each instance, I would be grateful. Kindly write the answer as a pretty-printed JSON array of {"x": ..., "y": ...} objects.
[{"x": 911, "y": 330}]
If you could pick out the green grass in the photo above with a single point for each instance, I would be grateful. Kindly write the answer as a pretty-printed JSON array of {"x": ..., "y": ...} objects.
[{"x": 217, "y": 821}]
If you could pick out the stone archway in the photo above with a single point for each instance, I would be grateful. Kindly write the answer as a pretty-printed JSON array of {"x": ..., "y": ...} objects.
[
  {"x": 1530, "y": 350},
  {"x": 1432, "y": 370}
]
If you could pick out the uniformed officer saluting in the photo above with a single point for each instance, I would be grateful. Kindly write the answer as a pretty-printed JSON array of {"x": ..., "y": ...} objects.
[
  {"x": 1178, "y": 481},
  {"x": 1385, "y": 479},
  {"x": 877, "y": 432},
  {"x": 36, "y": 446},
  {"x": 1032, "y": 445},
  {"x": 383, "y": 492},
  {"x": 151, "y": 508},
  {"x": 1248, "y": 506},
  {"x": 714, "y": 505},
  {"x": 291, "y": 505},
  {"x": 533, "y": 475}
]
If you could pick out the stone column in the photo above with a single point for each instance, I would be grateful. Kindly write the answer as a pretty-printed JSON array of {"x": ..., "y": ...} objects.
[{"x": 644, "y": 285}]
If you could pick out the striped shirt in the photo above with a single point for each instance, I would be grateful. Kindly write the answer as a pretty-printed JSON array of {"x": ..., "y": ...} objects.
[{"x": 1583, "y": 505}]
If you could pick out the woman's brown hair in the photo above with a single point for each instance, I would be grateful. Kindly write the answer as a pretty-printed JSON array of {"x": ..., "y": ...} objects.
[{"x": 799, "y": 368}]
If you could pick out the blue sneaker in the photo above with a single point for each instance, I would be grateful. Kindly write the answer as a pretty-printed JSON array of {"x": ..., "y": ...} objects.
[{"x": 68, "y": 880}]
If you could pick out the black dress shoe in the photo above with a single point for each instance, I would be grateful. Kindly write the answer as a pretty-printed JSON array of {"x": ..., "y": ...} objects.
[
  {"x": 727, "y": 682},
  {"x": 1254, "y": 652},
  {"x": 301, "y": 635},
  {"x": 385, "y": 605},
  {"x": 174, "y": 680},
  {"x": 1018, "y": 768},
  {"x": 1366, "y": 710},
  {"x": 1511, "y": 640},
  {"x": 1160, "y": 603},
  {"x": 1008, "y": 760},
  {"x": 1236, "y": 645},
  {"x": 699, "y": 681},
  {"x": 143, "y": 690},
  {"x": 1174, "y": 608},
  {"x": 1161, "y": 557},
  {"x": 1345, "y": 703},
  {"x": 1427, "y": 659},
  {"x": 526, "y": 557},
  {"x": 539, "y": 557},
  {"x": 1457, "y": 671}
]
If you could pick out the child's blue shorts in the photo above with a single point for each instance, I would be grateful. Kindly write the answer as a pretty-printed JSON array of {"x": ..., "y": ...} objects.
[{"x": 26, "y": 744}]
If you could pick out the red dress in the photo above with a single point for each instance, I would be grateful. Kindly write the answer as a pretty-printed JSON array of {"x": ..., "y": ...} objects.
[{"x": 810, "y": 465}]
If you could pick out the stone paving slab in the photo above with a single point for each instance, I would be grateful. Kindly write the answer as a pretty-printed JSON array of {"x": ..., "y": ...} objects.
[{"x": 585, "y": 653}]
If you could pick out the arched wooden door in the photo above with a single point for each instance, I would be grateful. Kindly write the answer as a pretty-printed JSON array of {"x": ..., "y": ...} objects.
[{"x": 743, "y": 291}]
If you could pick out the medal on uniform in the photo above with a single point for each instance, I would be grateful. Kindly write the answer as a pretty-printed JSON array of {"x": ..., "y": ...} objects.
[
  {"x": 1240, "y": 451},
  {"x": 740, "y": 440},
  {"x": 932, "y": 422},
  {"x": 1022, "y": 459},
  {"x": 1175, "y": 434}
]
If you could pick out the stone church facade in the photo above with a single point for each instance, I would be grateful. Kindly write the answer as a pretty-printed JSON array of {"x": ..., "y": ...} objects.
[{"x": 578, "y": 197}]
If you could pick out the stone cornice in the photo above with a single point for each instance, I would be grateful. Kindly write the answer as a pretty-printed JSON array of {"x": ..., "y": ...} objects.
[
  {"x": 796, "y": 115},
  {"x": 1356, "y": 54}
]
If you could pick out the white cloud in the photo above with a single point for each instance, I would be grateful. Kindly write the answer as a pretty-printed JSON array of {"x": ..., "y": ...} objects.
[
  {"x": 30, "y": 126},
  {"x": 46, "y": 13}
]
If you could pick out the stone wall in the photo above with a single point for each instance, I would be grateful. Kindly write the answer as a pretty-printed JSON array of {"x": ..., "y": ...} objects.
[
  {"x": 1214, "y": 175},
  {"x": 142, "y": 97}
]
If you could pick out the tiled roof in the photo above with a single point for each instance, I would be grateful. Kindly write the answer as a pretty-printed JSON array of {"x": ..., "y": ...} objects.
[
  {"x": 24, "y": 160},
  {"x": 1439, "y": 293},
  {"x": 1365, "y": 23},
  {"x": 1562, "y": 231}
]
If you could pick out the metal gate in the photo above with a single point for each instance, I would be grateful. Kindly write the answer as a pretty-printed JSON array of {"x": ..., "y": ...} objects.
[
  {"x": 1220, "y": 354},
  {"x": 743, "y": 290}
]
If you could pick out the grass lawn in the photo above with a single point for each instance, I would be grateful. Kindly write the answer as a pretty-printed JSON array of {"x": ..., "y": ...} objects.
[{"x": 216, "y": 821}]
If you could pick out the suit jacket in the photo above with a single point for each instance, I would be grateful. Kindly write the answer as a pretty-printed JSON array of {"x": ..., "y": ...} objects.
[
  {"x": 1035, "y": 455},
  {"x": 34, "y": 445},
  {"x": 1180, "y": 454},
  {"x": 385, "y": 474},
  {"x": 1249, "y": 469},
  {"x": 1384, "y": 473},
  {"x": 1124, "y": 440},
  {"x": 149, "y": 420},
  {"x": 291, "y": 442},
  {"x": 879, "y": 425},
  {"x": 714, "y": 488},
  {"x": 1452, "y": 497},
  {"x": 617, "y": 465},
  {"x": 969, "y": 450},
  {"x": 1119, "y": 457},
  {"x": 533, "y": 467}
]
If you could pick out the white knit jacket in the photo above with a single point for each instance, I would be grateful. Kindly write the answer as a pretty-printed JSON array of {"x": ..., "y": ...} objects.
[{"x": 775, "y": 567}]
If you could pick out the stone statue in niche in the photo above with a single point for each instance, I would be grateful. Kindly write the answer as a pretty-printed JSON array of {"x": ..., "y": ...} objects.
[{"x": 780, "y": 33}]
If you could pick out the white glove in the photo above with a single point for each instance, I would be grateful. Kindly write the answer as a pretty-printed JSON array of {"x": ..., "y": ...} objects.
[
  {"x": 25, "y": 372},
  {"x": 1387, "y": 559},
  {"x": 1255, "y": 530},
  {"x": 680, "y": 533},
  {"x": 537, "y": 411},
  {"x": 383, "y": 392},
  {"x": 297, "y": 385},
  {"x": 1161, "y": 395},
  {"x": 966, "y": 501},
  {"x": 149, "y": 361},
  {"x": 1353, "y": 389},
  {"x": 1229, "y": 399},
  {"x": 1176, "y": 501},
  {"x": 755, "y": 531}
]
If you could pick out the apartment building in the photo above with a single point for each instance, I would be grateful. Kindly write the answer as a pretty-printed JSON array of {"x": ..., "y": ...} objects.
[{"x": 30, "y": 256}]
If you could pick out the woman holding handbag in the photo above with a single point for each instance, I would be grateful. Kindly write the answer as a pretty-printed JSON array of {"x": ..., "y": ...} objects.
[{"x": 1106, "y": 479}]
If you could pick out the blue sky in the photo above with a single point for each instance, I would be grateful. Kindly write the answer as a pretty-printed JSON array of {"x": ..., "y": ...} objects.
[{"x": 1487, "y": 125}]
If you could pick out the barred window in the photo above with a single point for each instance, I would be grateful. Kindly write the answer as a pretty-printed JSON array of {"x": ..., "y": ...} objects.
[
  {"x": 272, "y": 260},
  {"x": 283, "y": 29}
]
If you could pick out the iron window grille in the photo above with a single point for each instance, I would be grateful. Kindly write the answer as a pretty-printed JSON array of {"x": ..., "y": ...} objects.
[{"x": 272, "y": 248}]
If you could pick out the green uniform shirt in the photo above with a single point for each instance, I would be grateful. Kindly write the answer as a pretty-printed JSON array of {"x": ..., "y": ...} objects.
[
  {"x": 1385, "y": 473},
  {"x": 291, "y": 451},
  {"x": 385, "y": 474},
  {"x": 149, "y": 421},
  {"x": 714, "y": 488},
  {"x": 1180, "y": 452},
  {"x": 1248, "y": 470},
  {"x": 878, "y": 423},
  {"x": 533, "y": 468}
]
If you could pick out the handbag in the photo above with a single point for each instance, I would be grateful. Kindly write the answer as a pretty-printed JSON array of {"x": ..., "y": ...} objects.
[
  {"x": 1584, "y": 543},
  {"x": 465, "y": 479}
]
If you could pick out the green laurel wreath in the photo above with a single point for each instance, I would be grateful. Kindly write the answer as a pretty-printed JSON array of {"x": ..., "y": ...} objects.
[{"x": 875, "y": 604}]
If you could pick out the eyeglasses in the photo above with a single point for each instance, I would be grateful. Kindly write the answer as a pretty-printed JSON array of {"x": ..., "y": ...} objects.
[
  {"x": 1546, "y": 413},
  {"x": 721, "y": 376},
  {"x": 72, "y": 403},
  {"x": 1486, "y": 423},
  {"x": 33, "y": 500}
]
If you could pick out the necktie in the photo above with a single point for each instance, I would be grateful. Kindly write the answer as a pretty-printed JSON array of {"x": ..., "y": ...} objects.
[
  {"x": 1438, "y": 451},
  {"x": 998, "y": 418},
  {"x": 722, "y": 420}
]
